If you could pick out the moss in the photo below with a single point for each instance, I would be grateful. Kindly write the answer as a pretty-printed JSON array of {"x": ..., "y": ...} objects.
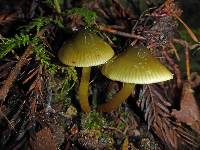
[
  {"x": 93, "y": 121},
  {"x": 26, "y": 37},
  {"x": 68, "y": 75},
  {"x": 61, "y": 84},
  {"x": 8, "y": 44},
  {"x": 88, "y": 16}
]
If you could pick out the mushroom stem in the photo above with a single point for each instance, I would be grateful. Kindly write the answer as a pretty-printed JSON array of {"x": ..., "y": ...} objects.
[
  {"x": 117, "y": 99},
  {"x": 83, "y": 89}
]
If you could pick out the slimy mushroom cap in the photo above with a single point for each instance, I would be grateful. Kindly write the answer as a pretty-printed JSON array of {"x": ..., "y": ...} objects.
[
  {"x": 136, "y": 65},
  {"x": 84, "y": 50}
]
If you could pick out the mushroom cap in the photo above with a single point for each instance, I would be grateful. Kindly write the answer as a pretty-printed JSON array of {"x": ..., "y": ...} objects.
[
  {"x": 136, "y": 65},
  {"x": 84, "y": 50}
]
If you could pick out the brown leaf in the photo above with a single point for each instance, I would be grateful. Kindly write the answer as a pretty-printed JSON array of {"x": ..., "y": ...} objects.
[
  {"x": 7, "y": 18},
  {"x": 195, "y": 79},
  {"x": 189, "y": 112},
  {"x": 171, "y": 8},
  {"x": 186, "y": 136},
  {"x": 44, "y": 140},
  {"x": 153, "y": 102}
]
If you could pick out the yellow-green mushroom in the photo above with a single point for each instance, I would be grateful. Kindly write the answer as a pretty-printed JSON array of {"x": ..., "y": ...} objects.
[
  {"x": 134, "y": 66},
  {"x": 85, "y": 50}
]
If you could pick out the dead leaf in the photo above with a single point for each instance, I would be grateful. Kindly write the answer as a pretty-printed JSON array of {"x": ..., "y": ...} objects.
[
  {"x": 7, "y": 18},
  {"x": 189, "y": 112},
  {"x": 44, "y": 140},
  {"x": 195, "y": 79}
]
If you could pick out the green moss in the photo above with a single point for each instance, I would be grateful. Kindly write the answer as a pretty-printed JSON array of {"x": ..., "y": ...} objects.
[
  {"x": 121, "y": 125},
  {"x": 61, "y": 84},
  {"x": 92, "y": 133},
  {"x": 41, "y": 54},
  {"x": 26, "y": 37},
  {"x": 8, "y": 44},
  {"x": 93, "y": 121},
  {"x": 89, "y": 16},
  {"x": 37, "y": 24}
]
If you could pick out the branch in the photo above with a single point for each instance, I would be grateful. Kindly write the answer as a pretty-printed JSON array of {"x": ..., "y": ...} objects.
[
  {"x": 116, "y": 32},
  {"x": 175, "y": 67},
  {"x": 7, "y": 84}
]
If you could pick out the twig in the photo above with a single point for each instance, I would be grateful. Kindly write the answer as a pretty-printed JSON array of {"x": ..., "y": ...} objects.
[
  {"x": 7, "y": 18},
  {"x": 175, "y": 67},
  {"x": 113, "y": 129},
  {"x": 2, "y": 115},
  {"x": 175, "y": 51},
  {"x": 116, "y": 32},
  {"x": 7, "y": 84},
  {"x": 187, "y": 61},
  {"x": 192, "y": 35},
  {"x": 187, "y": 56}
]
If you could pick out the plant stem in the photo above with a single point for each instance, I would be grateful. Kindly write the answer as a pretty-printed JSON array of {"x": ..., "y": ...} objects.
[
  {"x": 57, "y": 6},
  {"x": 117, "y": 99},
  {"x": 83, "y": 89}
]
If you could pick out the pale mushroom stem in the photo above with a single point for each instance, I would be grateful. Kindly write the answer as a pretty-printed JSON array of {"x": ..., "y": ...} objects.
[
  {"x": 83, "y": 89},
  {"x": 117, "y": 99}
]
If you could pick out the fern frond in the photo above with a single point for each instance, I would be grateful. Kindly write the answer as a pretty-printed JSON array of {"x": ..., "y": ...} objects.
[
  {"x": 157, "y": 114},
  {"x": 153, "y": 103}
]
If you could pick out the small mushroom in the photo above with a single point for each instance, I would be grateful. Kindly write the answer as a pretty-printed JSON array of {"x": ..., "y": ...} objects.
[
  {"x": 134, "y": 66},
  {"x": 85, "y": 50}
]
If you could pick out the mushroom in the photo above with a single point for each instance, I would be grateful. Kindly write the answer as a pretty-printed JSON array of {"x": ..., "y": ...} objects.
[
  {"x": 134, "y": 66},
  {"x": 85, "y": 50}
]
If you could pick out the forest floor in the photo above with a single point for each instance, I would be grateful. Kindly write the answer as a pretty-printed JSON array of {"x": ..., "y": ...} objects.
[{"x": 39, "y": 95}]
